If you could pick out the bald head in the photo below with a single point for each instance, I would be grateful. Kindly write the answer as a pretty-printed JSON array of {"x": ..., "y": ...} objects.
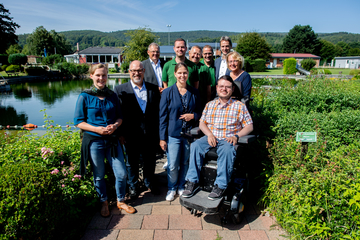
[{"x": 137, "y": 72}]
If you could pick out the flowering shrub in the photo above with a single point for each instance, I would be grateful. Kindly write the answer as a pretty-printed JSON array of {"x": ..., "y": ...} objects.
[
  {"x": 58, "y": 153},
  {"x": 314, "y": 189}
]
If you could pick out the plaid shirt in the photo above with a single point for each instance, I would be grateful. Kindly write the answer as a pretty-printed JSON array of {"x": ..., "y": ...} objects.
[{"x": 225, "y": 120}]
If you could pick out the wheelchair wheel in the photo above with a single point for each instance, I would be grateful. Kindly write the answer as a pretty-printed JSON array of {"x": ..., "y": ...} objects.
[{"x": 237, "y": 217}]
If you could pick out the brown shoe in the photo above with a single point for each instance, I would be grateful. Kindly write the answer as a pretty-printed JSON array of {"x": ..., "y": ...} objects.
[
  {"x": 105, "y": 209},
  {"x": 127, "y": 208}
]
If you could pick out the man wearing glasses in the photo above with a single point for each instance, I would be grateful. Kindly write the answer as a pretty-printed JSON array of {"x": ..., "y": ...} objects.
[
  {"x": 153, "y": 66},
  {"x": 223, "y": 121},
  {"x": 140, "y": 129}
]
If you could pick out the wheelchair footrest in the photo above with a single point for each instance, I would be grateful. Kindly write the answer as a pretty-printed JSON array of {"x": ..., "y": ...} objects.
[{"x": 201, "y": 203}]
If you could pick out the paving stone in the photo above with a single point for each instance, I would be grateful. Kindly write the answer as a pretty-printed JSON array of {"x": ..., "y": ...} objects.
[
  {"x": 185, "y": 211},
  {"x": 99, "y": 222},
  {"x": 168, "y": 234},
  {"x": 277, "y": 234},
  {"x": 211, "y": 222},
  {"x": 155, "y": 222},
  {"x": 166, "y": 209},
  {"x": 253, "y": 235},
  {"x": 132, "y": 221},
  {"x": 141, "y": 209},
  {"x": 185, "y": 222},
  {"x": 136, "y": 234},
  {"x": 150, "y": 199},
  {"x": 100, "y": 234},
  {"x": 259, "y": 222},
  {"x": 199, "y": 234},
  {"x": 228, "y": 235},
  {"x": 231, "y": 226},
  {"x": 176, "y": 201}
]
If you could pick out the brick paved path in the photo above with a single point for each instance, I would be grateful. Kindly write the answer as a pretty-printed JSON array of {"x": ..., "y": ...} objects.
[{"x": 157, "y": 218}]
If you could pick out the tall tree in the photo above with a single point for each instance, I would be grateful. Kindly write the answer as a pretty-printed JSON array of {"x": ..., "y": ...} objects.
[
  {"x": 344, "y": 47},
  {"x": 7, "y": 29},
  {"x": 136, "y": 48},
  {"x": 52, "y": 41},
  {"x": 253, "y": 46},
  {"x": 301, "y": 39},
  {"x": 327, "y": 50}
]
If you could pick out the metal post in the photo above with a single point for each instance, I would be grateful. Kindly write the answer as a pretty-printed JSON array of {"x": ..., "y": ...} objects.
[{"x": 169, "y": 26}]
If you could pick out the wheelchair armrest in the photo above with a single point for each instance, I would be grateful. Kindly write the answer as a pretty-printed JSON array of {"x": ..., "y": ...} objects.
[
  {"x": 196, "y": 132},
  {"x": 247, "y": 139}
]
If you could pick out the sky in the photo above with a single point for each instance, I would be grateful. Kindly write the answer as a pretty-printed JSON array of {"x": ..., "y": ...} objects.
[{"x": 324, "y": 16}]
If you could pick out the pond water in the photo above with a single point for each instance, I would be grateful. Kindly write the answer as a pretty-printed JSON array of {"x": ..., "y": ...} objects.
[{"x": 23, "y": 103}]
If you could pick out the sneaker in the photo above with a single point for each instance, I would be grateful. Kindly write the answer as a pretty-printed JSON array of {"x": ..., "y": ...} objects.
[
  {"x": 165, "y": 166},
  {"x": 190, "y": 189},
  {"x": 170, "y": 195},
  {"x": 216, "y": 193},
  {"x": 180, "y": 191}
]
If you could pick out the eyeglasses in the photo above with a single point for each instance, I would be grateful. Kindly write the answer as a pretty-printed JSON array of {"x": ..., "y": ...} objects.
[
  {"x": 227, "y": 87},
  {"x": 136, "y": 70}
]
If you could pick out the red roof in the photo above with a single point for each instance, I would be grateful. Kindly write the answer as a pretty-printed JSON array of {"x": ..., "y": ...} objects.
[{"x": 293, "y": 55}]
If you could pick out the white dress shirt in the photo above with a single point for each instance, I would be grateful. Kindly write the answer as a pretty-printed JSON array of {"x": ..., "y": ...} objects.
[
  {"x": 158, "y": 72},
  {"x": 141, "y": 95}
]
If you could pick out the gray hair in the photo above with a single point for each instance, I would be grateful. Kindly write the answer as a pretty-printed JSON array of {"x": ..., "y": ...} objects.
[
  {"x": 226, "y": 38},
  {"x": 153, "y": 44}
]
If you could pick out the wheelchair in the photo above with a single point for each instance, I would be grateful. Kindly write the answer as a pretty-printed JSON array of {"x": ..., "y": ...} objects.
[{"x": 234, "y": 197}]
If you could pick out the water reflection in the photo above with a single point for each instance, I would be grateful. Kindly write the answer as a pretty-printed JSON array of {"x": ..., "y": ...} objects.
[
  {"x": 23, "y": 104},
  {"x": 9, "y": 115}
]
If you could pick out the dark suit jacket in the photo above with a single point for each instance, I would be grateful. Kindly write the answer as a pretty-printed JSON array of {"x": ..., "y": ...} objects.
[
  {"x": 136, "y": 124},
  {"x": 149, "y": 75},
  {"x": 217, "y": 68},
  {"x": 171, "y": 108}
]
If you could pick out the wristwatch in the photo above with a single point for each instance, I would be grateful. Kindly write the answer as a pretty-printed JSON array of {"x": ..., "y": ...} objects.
[{"x": 237, "y": 137}]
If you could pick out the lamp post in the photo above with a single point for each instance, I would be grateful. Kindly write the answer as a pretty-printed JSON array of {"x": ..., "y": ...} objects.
[{"x": 169, "y": 26}]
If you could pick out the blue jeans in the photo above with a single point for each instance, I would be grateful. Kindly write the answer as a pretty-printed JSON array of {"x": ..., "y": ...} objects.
[
  {"x": 226, "y": 156},
  {"x": 99, "y": 150},
  {"x": 177, "y": 152}
]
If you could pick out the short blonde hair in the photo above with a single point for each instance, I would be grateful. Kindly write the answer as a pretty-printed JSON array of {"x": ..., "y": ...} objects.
[
  {"x": 235, "y": 56},
  {"x": 95, "y": 66}
]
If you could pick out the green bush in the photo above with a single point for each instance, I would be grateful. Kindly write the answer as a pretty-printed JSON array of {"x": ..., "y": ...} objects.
[
  {"x": 289, "y": 66},
  {"x": 259, "y": 65},
  {"x": 17, "y": 59},
  {"x": 313, "y": 192},
  {"x": 3, "y": 67},
  {"x": 57, "y": 152},
  {"x": 354, "y": 72},
  {"x": 30, "y": 202},
  {"x": 125, "y": 67},
  {"x": 308, "y": 64},
  {"x": 15, "y": 68},
  {"x": 35, "y": 71},
  {"x": 53, "y": 59},
  {"x": 327, "y": 71},
  {"x": 72, "y": 69}
]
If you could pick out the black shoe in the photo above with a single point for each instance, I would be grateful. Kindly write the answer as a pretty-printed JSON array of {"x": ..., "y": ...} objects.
[
  {"x": 216, "y": 193},
  {"x": 190, "y": 189},
  {"x": 133, "y": 193}
]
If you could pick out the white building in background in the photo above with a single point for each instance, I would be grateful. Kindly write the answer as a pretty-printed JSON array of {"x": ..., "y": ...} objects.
[{"x": 347, "y": 62}]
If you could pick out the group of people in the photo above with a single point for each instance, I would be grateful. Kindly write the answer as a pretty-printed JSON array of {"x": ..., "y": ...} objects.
[{"x": 156, "y": 107}]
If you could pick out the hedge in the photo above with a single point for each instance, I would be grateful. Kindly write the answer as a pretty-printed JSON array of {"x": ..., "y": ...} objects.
[{"x": 290, "y": 66}]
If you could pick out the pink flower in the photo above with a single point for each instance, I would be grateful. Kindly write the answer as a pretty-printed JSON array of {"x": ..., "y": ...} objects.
[
  {"x": 55, "y": 171},
  {"x": 73, "y": 179},
  {"x": 77, "y": 176},
  {"x": 62, "y": 162},
  {"x": 63, "y": 185},
  {"x": 43, "y": 149}
]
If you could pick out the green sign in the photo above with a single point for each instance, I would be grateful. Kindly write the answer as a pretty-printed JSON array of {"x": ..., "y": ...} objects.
[{"x": 306, "y": 136}]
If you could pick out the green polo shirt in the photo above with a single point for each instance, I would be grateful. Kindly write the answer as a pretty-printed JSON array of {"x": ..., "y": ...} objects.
[
  {"x": 205, "y": 81},
  {"x": 169, "y": 69},
  {"x": 212, "y": 73}
]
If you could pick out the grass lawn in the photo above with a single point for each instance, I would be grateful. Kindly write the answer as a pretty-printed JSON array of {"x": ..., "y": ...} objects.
[
  {"x": 4, "y": 74},
  {"x": 279, "y": 71}
]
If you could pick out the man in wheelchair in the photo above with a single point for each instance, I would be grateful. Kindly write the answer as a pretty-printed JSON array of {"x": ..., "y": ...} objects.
[{"x": 223, "y": 121}]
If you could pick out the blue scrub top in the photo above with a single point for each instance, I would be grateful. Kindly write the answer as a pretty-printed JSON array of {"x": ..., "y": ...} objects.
[{"x": 97, "y": 112}]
